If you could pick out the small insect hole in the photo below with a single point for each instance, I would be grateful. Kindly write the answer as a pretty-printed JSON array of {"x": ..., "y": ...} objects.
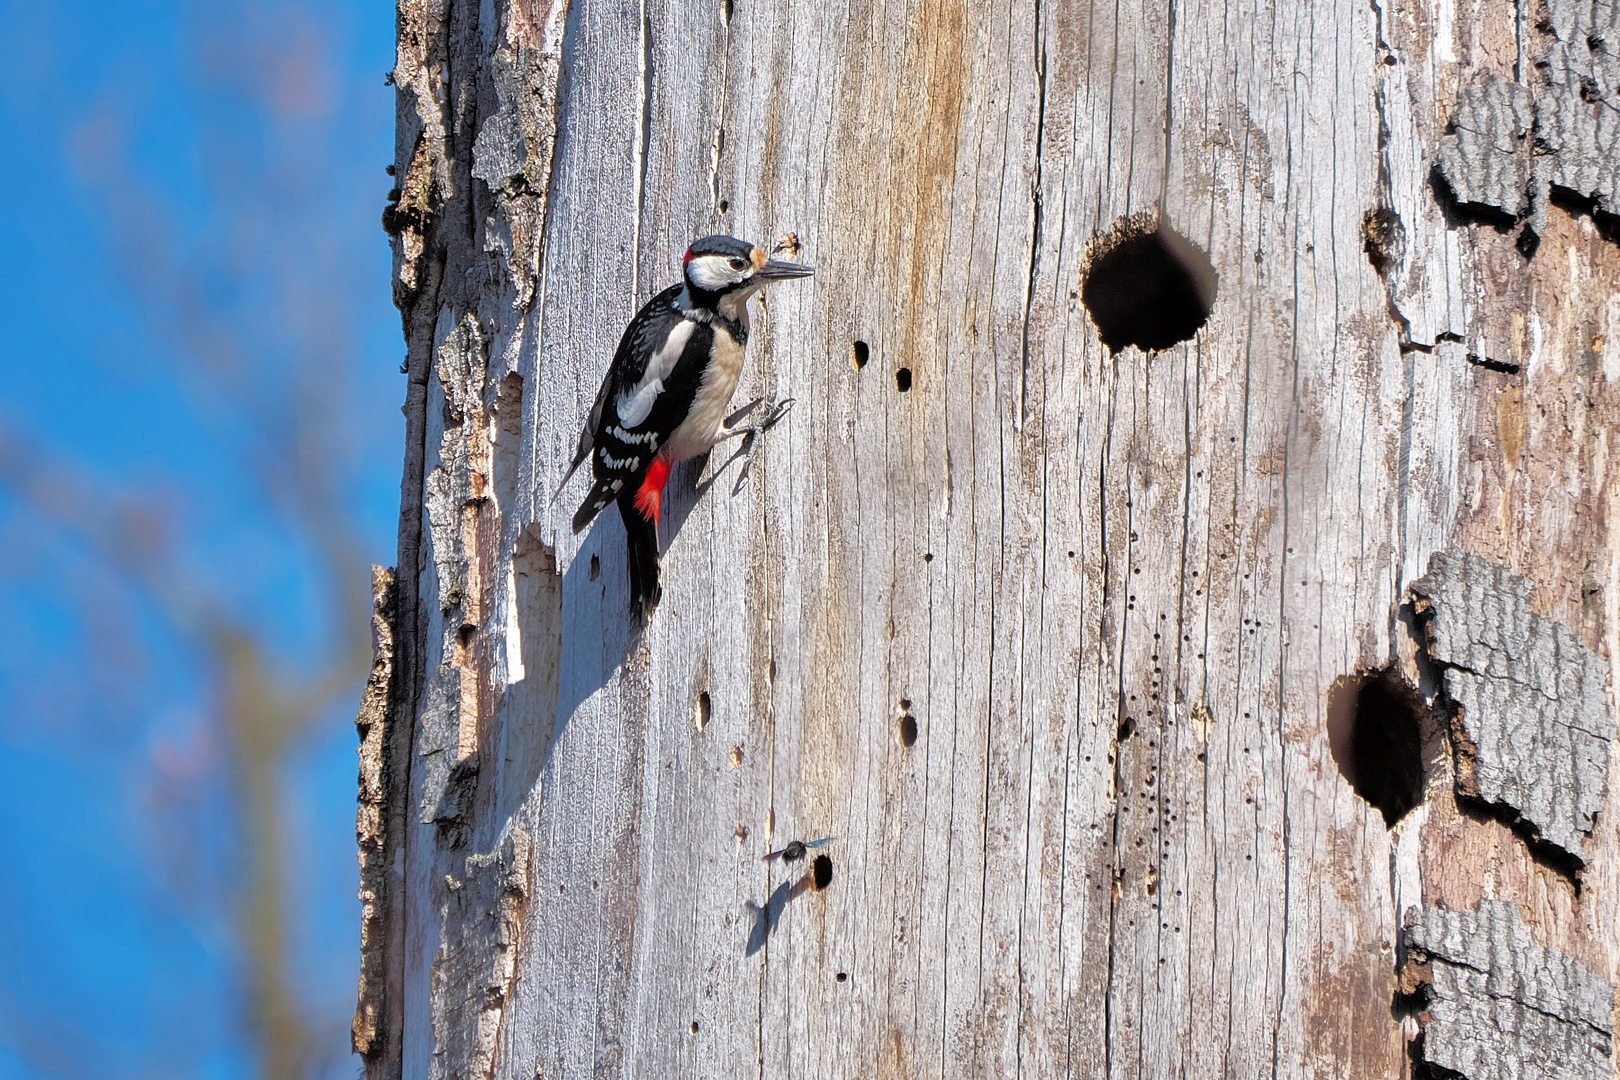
[
  {"x": 859, "y": 354},
  {"x": 902, "y": 380},
  {"x": 596, "y": 567},
  {"x": 908, "y": 730},
  {"x": 843, "y": 976},
  {"x": 821, "y": 871},
  {"x": 724, "y": 206},
  {"x": 694, "y": 1027},
  {"x": 705, "y": 709}
]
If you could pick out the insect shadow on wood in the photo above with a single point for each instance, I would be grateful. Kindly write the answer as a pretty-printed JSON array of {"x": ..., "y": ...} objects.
[
  {"x": 818, "y": 877},
  {"x": 767, "y": 916}
]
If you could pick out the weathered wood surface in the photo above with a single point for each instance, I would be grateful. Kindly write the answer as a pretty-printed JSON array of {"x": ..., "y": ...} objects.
[{"x": 1111, "y": 591}]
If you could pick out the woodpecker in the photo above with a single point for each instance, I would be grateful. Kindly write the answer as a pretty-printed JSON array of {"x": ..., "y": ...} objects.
[{"x": 666, "y": 394}]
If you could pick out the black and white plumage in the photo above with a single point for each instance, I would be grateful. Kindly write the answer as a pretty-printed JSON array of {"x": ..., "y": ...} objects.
[{"x": 666, "y": 395}]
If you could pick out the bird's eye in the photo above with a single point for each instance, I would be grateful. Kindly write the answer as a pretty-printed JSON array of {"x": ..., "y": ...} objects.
[{"x": 737, "y": 264}]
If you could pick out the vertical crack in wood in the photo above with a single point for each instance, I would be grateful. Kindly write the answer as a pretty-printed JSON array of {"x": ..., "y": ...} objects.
[
  {"x": 1499, "y": 1004},
  {"x": 481, "y": 929},
  {"x": 1531, "y": 725},
  {"x": 1035, "y": 214}
]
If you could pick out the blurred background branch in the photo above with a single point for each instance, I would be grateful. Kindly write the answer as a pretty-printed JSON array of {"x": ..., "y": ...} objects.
[{"x": 198, "y": 439}]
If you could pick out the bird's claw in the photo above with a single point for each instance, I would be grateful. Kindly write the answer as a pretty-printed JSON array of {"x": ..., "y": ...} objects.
[
  {"x": 731, "y": 421},
  {"x": 751, "y": 436}
]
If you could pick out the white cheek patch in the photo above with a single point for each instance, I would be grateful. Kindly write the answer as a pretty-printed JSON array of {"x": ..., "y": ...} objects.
[
  {"x": 635, "y": 403},
  {"x": 713, "y": 273}
]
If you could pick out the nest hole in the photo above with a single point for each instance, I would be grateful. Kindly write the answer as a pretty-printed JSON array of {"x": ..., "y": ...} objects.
[
  {"x": 1375, "y": 727},
  {"x": 821, "y": 871},
  {"x": 1145, "y": 284}
]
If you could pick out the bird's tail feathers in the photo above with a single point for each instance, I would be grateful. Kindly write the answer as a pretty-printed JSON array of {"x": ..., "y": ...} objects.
[
  {"x": 580, "y": 454},
  {"x": 600, "y": 495},
  {"x": 642, "y": 550}
]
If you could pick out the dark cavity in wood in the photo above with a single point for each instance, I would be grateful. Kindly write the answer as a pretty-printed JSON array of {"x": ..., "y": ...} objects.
[
  {"x": 822, "y": 871},
  {"x": 1383, "y": 237},
  {"x": 1375, "y": 726},
  {"x": 1146, "y": 285}
]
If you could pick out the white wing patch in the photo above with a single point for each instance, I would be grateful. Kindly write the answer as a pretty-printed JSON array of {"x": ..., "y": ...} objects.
[{"x": 635, "y": 403}]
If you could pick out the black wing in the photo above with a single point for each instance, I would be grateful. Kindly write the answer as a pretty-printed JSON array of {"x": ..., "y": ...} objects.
[
  {"x": 651, "y": 326},
  {"x": 623, "y": 453}
]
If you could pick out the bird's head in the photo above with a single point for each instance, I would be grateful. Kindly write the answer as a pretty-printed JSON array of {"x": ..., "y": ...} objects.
[{"x": 726, "y": 266}]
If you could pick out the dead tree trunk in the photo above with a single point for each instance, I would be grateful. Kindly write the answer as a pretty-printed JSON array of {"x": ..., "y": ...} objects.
[{"x": 1182, "y": 700}]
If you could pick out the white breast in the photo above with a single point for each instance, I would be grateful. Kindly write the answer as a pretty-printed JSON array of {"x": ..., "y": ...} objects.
[{"x": 697, "y": 433}]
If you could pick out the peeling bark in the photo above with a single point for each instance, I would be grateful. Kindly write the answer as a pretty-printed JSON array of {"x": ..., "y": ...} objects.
[
  {"x": 376, "y": 828},
  {"x": 1556, "y": 126},
  {"x": 1501, "y": 1006},
  {"x": 1531, "y": 725}
]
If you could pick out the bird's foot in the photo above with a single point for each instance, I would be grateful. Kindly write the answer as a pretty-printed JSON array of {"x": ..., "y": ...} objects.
[{"x": 750, "y": 433}]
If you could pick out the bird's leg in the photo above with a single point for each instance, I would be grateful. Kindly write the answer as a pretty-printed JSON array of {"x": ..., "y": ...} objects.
[{"x": 750, "y": 432}]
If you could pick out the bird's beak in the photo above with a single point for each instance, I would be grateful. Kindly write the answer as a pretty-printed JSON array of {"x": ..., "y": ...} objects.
[{"x": 777, "y": 270}]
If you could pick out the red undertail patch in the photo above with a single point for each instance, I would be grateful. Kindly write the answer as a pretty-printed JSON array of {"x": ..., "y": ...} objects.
[{"x": 650, "y": 496}]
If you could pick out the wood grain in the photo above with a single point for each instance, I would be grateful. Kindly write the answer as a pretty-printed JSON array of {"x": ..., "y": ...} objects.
[{"x": 1111, "y": 591}]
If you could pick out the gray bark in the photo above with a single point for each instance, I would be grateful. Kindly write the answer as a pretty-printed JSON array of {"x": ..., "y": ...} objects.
[{"x": 1044, "y": 641}]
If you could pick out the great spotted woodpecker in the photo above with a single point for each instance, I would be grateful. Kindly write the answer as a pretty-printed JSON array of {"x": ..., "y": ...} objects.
[{"x": 665, "y": 396}]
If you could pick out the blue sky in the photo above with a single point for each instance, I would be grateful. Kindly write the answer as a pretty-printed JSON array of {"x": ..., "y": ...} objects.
[{"x": 196, "y": 306}]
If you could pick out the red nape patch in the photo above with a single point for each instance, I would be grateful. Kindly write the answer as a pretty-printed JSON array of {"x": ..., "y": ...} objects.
[
  {"x": 650, "y": 496},
  {"x": 689, "y": 257}
]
